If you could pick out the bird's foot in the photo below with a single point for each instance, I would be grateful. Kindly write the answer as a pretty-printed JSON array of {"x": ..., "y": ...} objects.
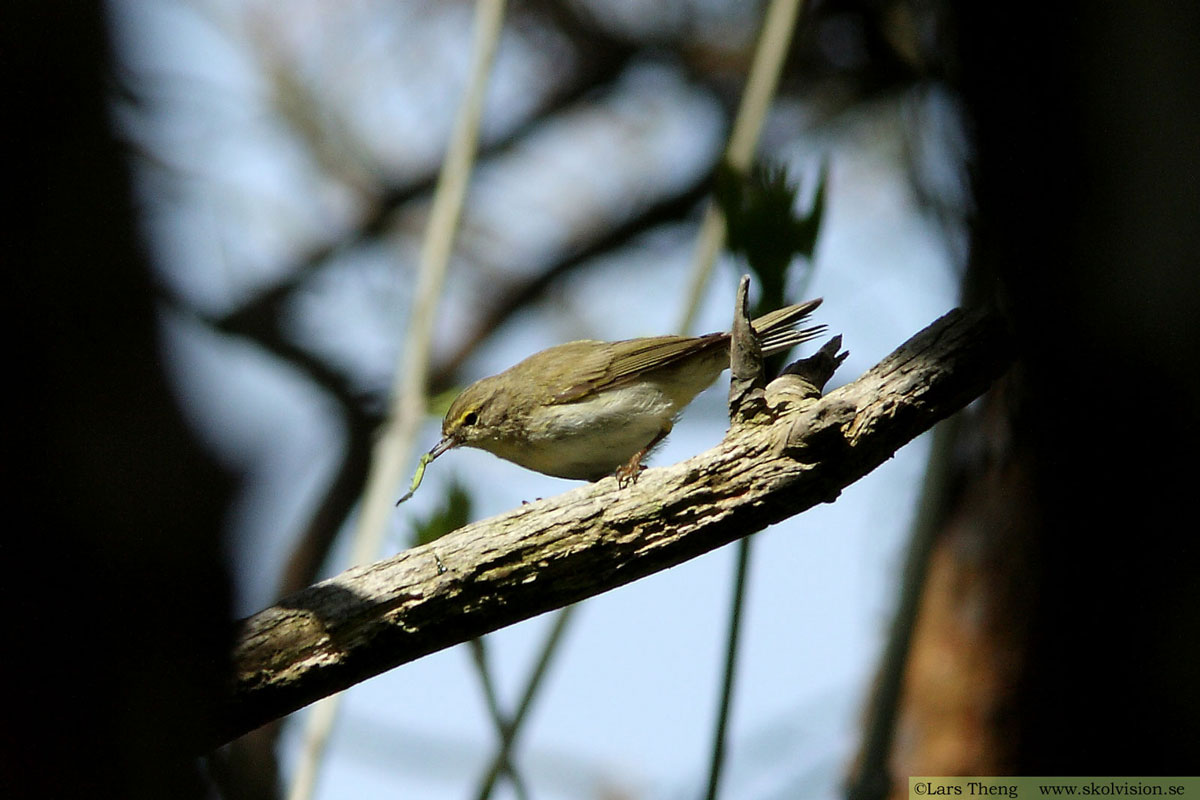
[{"x": 627, "y": 474}]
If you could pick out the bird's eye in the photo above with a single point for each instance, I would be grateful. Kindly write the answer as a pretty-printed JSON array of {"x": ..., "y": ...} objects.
[{"x": 470, "y": 418}]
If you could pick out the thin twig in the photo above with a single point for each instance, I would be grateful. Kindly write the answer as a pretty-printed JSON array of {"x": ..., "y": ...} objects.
[
  {"x": 769, "y": 56},
  {"x": 731, "y": 647},
  {"x": 510, "y": 731},
  {"x": 501, "y": 723},
  {"x": 409, "y": 390}
]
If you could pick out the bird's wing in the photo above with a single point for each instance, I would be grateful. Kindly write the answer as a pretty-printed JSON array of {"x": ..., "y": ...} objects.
[
  {"x": 593, "y": 368},
  {"x": 611, "y": 365}
]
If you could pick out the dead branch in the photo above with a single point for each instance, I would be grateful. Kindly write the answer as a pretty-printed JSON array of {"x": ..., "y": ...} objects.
[{"x": 553, "y": 552}]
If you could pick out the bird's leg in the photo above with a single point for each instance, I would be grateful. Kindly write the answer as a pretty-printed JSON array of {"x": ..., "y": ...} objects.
[{"x": 628, "y": 473}]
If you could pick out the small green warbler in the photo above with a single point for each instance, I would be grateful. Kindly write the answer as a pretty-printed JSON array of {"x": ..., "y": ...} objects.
[{"x": 588, "y": 409}]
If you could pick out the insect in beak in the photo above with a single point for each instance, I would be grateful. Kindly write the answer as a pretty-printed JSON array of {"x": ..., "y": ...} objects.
[{"x": 445, "y": 444}]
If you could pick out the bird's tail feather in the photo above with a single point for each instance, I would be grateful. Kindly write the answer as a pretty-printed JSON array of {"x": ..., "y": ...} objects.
[{"x": 776, "y": 329}]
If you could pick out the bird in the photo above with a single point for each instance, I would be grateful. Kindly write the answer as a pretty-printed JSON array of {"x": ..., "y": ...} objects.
[{"x": 588, "y": 409}]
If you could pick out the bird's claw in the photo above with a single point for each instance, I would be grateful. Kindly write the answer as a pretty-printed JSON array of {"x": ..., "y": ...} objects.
[{"x": 627, "y": 474}]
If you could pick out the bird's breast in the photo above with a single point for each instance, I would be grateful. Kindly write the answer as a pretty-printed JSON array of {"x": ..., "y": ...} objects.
[{"x": 591, "y": 437}]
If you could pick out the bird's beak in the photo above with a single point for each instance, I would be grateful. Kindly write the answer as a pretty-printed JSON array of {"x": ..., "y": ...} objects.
[{"x": 445, "y": 444}]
